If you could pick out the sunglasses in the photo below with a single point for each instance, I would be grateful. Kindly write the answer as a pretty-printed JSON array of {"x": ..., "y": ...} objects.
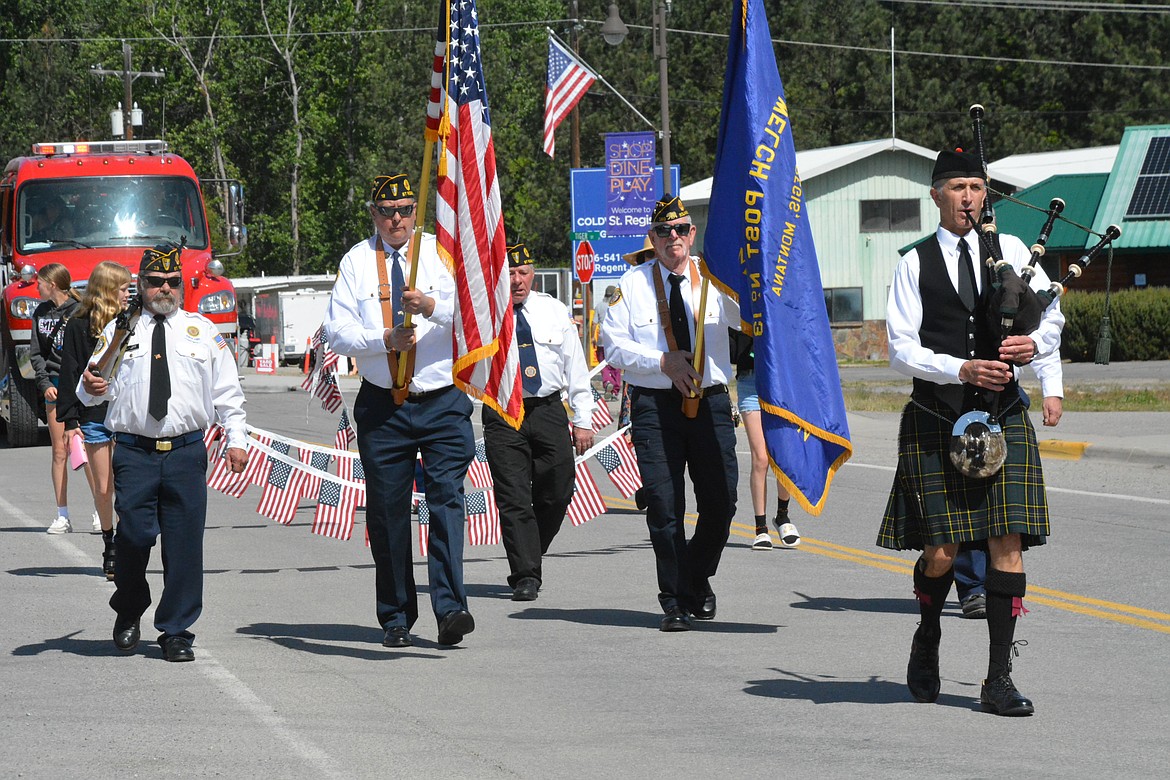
[
  {"x": 158, "y": 281},
  {"x": 389, "y": 211},
  {"x": 664, "y": 231}
]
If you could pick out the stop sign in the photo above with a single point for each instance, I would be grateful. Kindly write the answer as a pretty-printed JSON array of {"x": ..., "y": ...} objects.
[{"x": 584, "y": 261}]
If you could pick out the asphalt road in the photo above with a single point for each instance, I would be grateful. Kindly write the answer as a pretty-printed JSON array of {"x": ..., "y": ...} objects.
[{"x": 801, "y": 674}]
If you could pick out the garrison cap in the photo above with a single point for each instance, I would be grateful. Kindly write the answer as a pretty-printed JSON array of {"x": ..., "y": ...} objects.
[
  {"x": 669, "y": 209},
  {"x": 161, "y": 259},
  {"x": 394, "y": 187},
  {"x": 518, "y": 255}
]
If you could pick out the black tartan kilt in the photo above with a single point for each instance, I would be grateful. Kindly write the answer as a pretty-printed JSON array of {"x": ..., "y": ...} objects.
[{"x": 932, "y": 503}]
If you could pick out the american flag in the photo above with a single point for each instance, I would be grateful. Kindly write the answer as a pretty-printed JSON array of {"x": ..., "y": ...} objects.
[
  {"x": 479, "y": 472},
  {"x": 258, "y": 462},
  {"x": 469, "y": 222},
  {"x": 282, "y": 490},
  {"x": 345, "y": 434},
  {"x": 222, "y": 478},
  {"x": 212, "y": 435},
  {"x": 351, "y": 469},
  {"x": 335, "y": 508},
  {"x": 483, "y": 519},
  {"x": 318, "y": 463},
  {"x": 424, "y": 527},
  {"x": 329, "y": 393},
  {"x": 568, "y": 81},
  {"x": 601, "y": 415},
  {"x": 587, "y": 502},
  {"x": 621, "y": 465}
]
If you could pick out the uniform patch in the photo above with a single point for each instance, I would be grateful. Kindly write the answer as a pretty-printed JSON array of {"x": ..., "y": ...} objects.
[
  {"x": 617, "y": 296},
  {"x": 219, "y": 340},
  {"x": 530, "y": 372},
  {"x": 101, "y": 345},
  {"x": 192, "y": 331}
]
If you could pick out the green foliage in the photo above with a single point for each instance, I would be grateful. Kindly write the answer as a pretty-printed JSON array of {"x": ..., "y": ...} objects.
[
  {"x": 1139, "y": 324},
  {"x": 317, "y": 98}
]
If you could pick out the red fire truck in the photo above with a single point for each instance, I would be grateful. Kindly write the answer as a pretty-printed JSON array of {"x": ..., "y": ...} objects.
[{"x": 79, "y": 203}]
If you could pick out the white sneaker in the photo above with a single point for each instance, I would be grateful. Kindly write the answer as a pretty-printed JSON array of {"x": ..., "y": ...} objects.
[
  {"x": 60, "y": 526},
  {"x": 97, "y": 524},
  {"x": 789, "y": 536},
  {"x": 762, "y": 542}
]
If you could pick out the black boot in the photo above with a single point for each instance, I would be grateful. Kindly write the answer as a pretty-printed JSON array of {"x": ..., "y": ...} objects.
[
  {"x": 108, "y": 555},
  {"x": 922, "y": 677},
  {"x": 1005, "y": 593}
]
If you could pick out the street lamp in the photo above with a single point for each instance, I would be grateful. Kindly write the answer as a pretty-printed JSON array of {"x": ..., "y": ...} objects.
[{"x": 614, "y": 31}]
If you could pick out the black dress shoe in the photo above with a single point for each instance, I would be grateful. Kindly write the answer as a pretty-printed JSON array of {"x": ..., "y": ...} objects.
[
  {"x": 527, "y": 589},
  {"x": 706, "y": 608},
  {"x": 177, "y": 648},
  {"x": 676, "y": 619},
  {"x": 454, "y": 626},
  {"x": 396, "y": 636},
  {"x": 922, "y": 671},
  {"x": 1001, "y": 697},
  {"x": 126, "y": 634}
]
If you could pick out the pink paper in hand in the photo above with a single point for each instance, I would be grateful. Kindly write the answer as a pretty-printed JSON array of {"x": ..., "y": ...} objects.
[{"x": 77, "y": 456}]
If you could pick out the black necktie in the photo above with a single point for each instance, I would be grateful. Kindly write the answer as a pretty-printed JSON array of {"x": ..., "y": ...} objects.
[
  {"x": 160, "y": 373},
  {"x": 397, "y": 285},
  {"x": 529, "y": 368},
  {"x": 966, "y": 275},
  {"x": 680, "y": 323}
]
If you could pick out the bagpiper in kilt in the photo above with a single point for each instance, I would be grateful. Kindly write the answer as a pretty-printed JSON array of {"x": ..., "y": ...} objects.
[
  {"x": 940, "y": 335},
  {"x": 932, "y": 503}
]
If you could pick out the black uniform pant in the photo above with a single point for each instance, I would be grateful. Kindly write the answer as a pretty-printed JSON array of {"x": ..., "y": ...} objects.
[
  {"x": 532, "y": 476},
  {"x": 668, "y": 445},
  {"x": 160, "y": 494},
  {"x": 390, "y": 437}
]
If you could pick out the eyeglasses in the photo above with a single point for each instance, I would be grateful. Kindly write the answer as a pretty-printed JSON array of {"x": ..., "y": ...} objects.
[
  {"x": 389, "y": 211},
  {"x": 664, "y": 231},
  {"x": 158, "y": 281}
]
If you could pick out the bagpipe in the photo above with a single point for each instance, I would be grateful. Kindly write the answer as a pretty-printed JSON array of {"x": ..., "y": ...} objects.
[{"x": 1013, "y": 308}]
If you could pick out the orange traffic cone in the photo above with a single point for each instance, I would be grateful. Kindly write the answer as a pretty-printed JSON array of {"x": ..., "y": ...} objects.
[{"x": 308, "y": 351}]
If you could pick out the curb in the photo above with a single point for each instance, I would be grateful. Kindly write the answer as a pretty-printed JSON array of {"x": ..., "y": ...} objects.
[{"x": 1057, "y": 449}]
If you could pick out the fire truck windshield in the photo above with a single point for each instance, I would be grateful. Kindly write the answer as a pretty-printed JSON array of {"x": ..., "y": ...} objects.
[{"x": 109, "y": 211}]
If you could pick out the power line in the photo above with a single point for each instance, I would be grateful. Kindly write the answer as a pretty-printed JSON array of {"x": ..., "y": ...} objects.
[
  {"x": 1051, "y": 5},
  {"x": 883, "y": 51}
]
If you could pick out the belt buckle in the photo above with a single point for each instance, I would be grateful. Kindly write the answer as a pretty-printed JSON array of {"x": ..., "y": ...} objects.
[{"x": 163, "y": 446}]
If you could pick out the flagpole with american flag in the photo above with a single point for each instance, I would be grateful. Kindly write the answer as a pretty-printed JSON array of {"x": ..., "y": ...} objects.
[{"x": 469, "y": 221}]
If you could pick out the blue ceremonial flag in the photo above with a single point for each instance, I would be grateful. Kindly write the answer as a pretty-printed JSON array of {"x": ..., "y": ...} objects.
[{"x": 759, "y": 249}]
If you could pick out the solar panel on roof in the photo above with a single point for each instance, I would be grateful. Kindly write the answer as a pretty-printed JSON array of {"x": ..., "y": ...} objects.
[
  {"x": 1151, "y": 192},
  {"x": 1157, "y": 157}
]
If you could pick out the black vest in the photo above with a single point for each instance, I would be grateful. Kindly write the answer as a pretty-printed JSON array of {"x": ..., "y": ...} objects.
[{"x": 950, "y": 328}]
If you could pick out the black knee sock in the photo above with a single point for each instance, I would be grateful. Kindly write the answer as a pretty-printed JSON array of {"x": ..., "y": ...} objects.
[
  {"x": 932, "y": 597},
  {"x": 761, "y": 524},
  {"x": 1005, "y": 593}
]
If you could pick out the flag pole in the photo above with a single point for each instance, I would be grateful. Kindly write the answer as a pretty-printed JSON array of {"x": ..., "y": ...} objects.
[
  {"x": 406, "y": 367},
  {"x": 690, "y": 405}
]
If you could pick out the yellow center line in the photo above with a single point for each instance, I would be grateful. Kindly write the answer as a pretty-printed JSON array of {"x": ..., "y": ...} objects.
[{"x": 1125, "y": 614}]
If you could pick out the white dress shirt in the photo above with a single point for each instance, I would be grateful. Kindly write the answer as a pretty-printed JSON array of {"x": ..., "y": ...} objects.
[
  {"x": 205, "y": 382},
  {"x": 354, "y": 325},
  {"x": 1050, "y": 372},
  {"x": 559, "y": 355},
  {"x": 904, "y": 309},
  {"x": 635, "y": 340}
]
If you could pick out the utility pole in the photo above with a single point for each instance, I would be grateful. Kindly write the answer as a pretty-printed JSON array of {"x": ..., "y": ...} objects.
[{"x": 127, "y": 75}]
